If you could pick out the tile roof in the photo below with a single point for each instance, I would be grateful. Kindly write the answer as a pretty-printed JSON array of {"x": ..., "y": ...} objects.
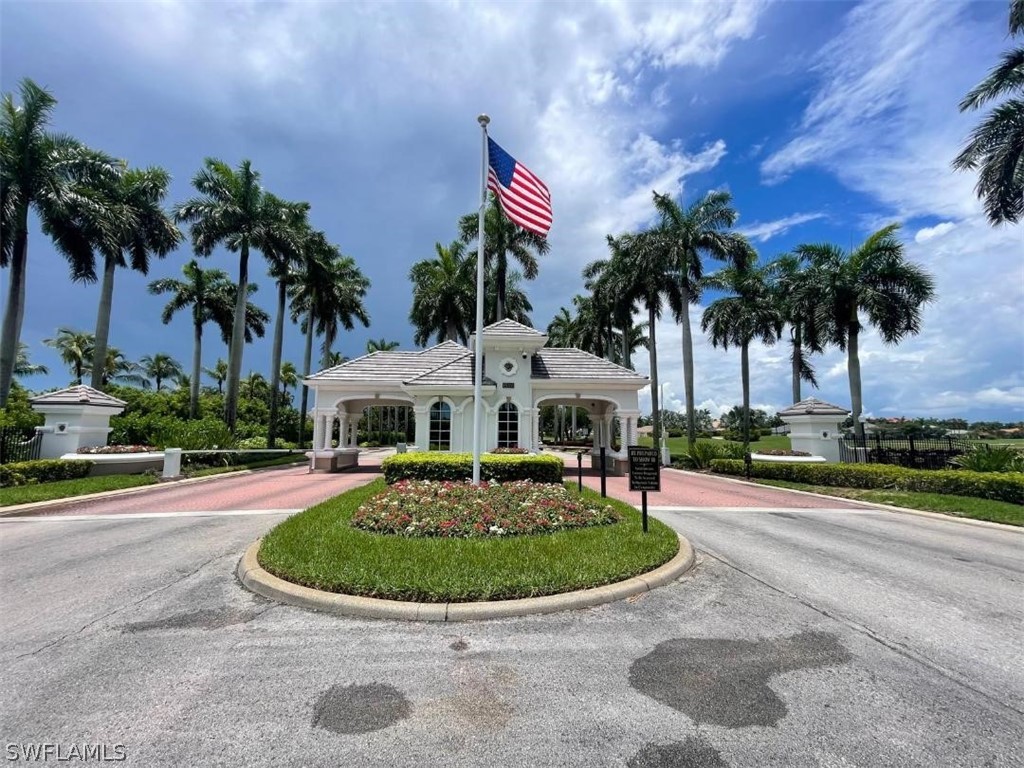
[
  {"x": 812, "y": 405},
  {"x": 79, "y": 394},
  {"x": 508, "y": 327},
  {"x": 458, "y": 372},
  {"x": 393, "y": 367},
  {"x": 568, "y": 363}
]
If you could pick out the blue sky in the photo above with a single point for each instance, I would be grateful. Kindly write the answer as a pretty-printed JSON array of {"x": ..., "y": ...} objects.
[{"x": 825, "y": 121}]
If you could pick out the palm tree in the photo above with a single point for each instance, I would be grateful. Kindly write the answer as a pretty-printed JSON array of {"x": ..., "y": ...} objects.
[
  {"x": 517, "y": 303},
  {"x": 288, "y": 376},
  {"x": 160, "y": 368},
  {"x": 234, "y": 210},
  {"x": 996, "y": 146},
  {"x": 649, "y": 276},
  {"x": 218, "y": 373},
  {"x": 255, "y": 386},
  {"x": 874, "y": 279},
  {"x": 118, "y": 369},
  {"x": 25, "y": 367},
  {"x": 443, "y": 295},
  {"x": 47, "y": 173},
  {"x": 562, "y": 330},
  {"x": 380, "y": 345},
  {"x": 750, "y": 313},
  {"x": 502, "y": 239},
  {"x": 130, "y": 223},
  {"x": 332, "y": 359},
  {"x": 75, "y": 350},
  {"x": 686, "y": 234},
  {"x": 799, "y": 305}
]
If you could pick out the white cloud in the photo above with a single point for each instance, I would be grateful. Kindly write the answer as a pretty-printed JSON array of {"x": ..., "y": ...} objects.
[
  {"x": 927, "y": 233},
  {"x": 764, "y": 231}
]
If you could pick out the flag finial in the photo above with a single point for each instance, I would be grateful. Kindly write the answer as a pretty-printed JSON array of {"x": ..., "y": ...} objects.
[{"x": 483, "y": 119}]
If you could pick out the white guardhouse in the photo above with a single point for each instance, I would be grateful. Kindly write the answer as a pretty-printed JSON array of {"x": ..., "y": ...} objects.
[{"x": 520, "y": 376}]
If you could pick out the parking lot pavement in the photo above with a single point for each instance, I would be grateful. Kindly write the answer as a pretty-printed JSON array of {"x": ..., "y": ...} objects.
[{"x": 801, "y": 638}]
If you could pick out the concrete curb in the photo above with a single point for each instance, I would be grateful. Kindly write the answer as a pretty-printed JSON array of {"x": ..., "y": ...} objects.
[
  {"x": 16, "y": 510},
  {"x": 866, "y": 504},
  {"x": 254, "y": 578}
]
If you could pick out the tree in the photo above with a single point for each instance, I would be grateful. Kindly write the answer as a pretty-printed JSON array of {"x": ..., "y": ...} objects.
[
  {"x": 503, "y": 239},
  {"x": 75, "y": 350},
  {"x": 649, "y": 277},
  {"x": 996, "y": 147},
  {"x": 288, "y": 377},
  {"x": 118, "y": 369},
  {"x": 218, "y": 373},
  {"x": 380, "y": 345},
  {"x": 332, "y": 359},
  {"x": 129, "y": 222},
  {"x": 254, "y": 386},
  {"x": 517, "y": 303},
  {"x": 234, "y": 210},
  {"x": 160, "y": 368},
  {"x": 443, "y": 295},
  {"x": 750, "y": 313},
  {"x": 874, "y": 279},
  {"x": 799, "y": 304},
  {"x": 24, "y": 367},
  {"x": 210, "y": 295},
  {"x": 686, "y": 234},
  {"x": 49, "y": 174},
  {"x": 562, "y": 330}
]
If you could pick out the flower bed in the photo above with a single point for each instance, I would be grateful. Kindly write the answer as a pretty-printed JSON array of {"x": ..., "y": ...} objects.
[
  {"x": 781, "y": 452},
  {"x": 104, "y": 449},
  {"x": 424, "y": 508},
  {"x": 510, "y": 451}
]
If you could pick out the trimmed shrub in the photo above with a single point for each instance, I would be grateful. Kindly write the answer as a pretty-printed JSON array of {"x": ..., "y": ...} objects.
[
  {"x": 459, "y": 466},
  {"x": 42, "y": 471},
  {"x": 989, "y": 458},
  {"x": 515, "y": 451},
  {"x": 196, "y": 435},
  {"x": 1000, "y": 486}
]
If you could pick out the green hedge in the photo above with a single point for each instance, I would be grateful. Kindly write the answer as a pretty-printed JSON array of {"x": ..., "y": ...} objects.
[
  {"x": 42, "y": 471},
  {"x": 1000, "y": 486},
  {"x": 459, "y": 466}
]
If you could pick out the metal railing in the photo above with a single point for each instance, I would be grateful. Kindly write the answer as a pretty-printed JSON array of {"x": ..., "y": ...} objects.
[
  {"x": 910, "y": 452},
  {"x": 18, "y": 444}
]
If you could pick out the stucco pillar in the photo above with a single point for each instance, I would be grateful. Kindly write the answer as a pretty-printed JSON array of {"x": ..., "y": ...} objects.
[
  {"x": 422, "y": 414},
  {"x": 318, "y": 428},
  {"x": 343, "y": 430},
  {"x": 607, "y": 421},
  {"x": 536, "y": 429}
]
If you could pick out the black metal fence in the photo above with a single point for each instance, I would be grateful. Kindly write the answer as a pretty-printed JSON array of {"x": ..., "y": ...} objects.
[
  {"x": 17, "y": 444},
  {"x": 911, "y": 452}
]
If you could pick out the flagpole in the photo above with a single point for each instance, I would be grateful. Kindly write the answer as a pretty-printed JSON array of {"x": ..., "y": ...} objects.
[{"x": 479, "y": 361}]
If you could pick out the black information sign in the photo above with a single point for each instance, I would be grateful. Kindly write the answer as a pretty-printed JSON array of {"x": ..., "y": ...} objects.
[{"x": 644, "y": 469}]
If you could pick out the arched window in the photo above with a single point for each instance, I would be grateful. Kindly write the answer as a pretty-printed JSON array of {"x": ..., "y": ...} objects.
[
  {"x": 440, "y": 426},
  {"x": 508, "y": 426}
]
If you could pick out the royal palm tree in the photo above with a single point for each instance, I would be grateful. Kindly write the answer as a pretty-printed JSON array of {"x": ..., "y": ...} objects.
[
  {"x": 161, "y": 368},
  {"x": 687, "y": 234},
  {"x": 749, "y": 314},
  {"x": 218, "y": 373},
  {"x": 562, "y": 330},
  {"x": 799, "y": 304},
  {"x": 75, "y": 350},
  {"x": 517, "y": 303},
  {"x": 443, "y": 295},
  {"x": 380, "y": 345},
  {"x": 288, "y": 376},
  {"x": 996, "y": 146},
  {"x": 130, "y": 226},
  {"x": 25, "y": 367},
  {"x": 47, "y": 173},
  {"x": 255, "y": 386},
  {"x": 649, "y": 276},
  {"x": 332, "y": 359},
  {"x": 118, "y": 369},
  {"x": 235, "y": 211},
  {"x": 875, "y": 279},
  {"x": 503, "y": 239},
  {"x": 210, "y": 295}
]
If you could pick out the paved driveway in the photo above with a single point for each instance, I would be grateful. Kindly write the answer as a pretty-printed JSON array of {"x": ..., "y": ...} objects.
[{"x": 801, "y": 638}]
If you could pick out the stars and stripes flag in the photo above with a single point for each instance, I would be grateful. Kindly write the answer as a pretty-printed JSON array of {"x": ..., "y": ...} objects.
[{"x": 524, "y": 198}]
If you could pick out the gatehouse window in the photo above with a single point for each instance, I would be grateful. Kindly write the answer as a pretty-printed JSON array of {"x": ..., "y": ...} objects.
[
  {"x": 508, "y": 426},
  {"x": 440, "y": 426}
]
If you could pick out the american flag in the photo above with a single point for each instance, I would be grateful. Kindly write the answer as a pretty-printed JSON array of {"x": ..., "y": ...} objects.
[{"x": 524, "y": 198}]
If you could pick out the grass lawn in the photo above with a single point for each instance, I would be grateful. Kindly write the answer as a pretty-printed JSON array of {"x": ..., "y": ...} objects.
[
  {"x": 319, "y": 548},
  {"x": 958, "y": 506},
  {"x": 295, "y": 458},
  {"x": 62, "y": 489},
  {"x": 678, "y": 444}
]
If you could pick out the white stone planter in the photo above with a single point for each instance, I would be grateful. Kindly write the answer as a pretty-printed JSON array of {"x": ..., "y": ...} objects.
[
  {"x": 119, "y": 463},
  {"x": 790, "y": 459}
]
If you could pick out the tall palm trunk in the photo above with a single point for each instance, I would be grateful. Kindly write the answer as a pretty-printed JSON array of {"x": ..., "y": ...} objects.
[
  {"x": 745, "y": 375},
  {"x": 275, "y": 362},
  {"x": 655, "y": 410},
  {"x": 451, "y": 332},
  {"x": 853, "y": 368},
  {"x": 99, "y": 354},
  {"x": 502, "y": 274},
  {"x": 691, "y": 427},
  {"x": 307, "y": 360},
  {"x": 197, "y": 362},
  {"x": 626, "y": 352},
  {"x": 798, "y": 353},
  {"x": 158, "y": 382},
  {"x": 15, "y": 307},
  {"x": 237, "y": 341}
]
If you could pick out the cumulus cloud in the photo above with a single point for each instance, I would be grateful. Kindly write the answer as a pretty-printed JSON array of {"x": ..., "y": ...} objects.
[{"x": 927, "y": 233}]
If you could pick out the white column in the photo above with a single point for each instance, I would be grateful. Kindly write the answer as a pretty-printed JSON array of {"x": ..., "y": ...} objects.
[
  {"x": 318, "y": 427},
  {"x": 623, "y": 434},
  {"x": 536, "y": 429},
  {"x": 343, "y": 430},
  {"x": 608, "y": 431},
  {"x": 422, "y": 414}
]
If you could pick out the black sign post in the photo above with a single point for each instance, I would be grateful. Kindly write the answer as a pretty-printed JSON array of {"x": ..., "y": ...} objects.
[
  {"x": 644, "y": 474},
  {"x": 604, "y": 474},
  {"x": 579, "y": 469}
]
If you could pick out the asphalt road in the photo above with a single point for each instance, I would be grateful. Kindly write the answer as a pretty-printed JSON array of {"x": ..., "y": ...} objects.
[{"x": 801, "y": 638}]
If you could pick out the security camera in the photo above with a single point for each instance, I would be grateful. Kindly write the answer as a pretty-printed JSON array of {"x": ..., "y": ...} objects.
[{"x": 525, "y": 355}]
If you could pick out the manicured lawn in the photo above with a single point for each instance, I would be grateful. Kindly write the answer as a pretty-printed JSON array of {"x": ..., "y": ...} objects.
[
  {"x": 319, "y": 548},
  {"x": 295, "y": 458},
  {"x": 678, "y": 444},
  {"x": 62, "y": 489},
  {"x": 959, "y": 506}
]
